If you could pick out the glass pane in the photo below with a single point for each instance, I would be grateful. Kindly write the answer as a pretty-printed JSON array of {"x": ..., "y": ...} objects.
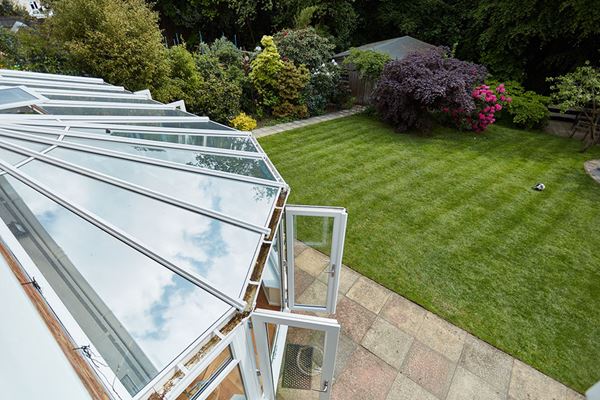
[
  {"x": 135, "y": 312},
  {"x": 236, "y": 165},
  {"x": 221, "y": 142},
  {"x": 207, "y": 376},
  {"x": 217, "y": 251},
  {"x": 300, "y": 375},
  {"x": 35, "y": 146},
  {"x": 11, "y": 157},
  {"x": 231, "y": 388},
  {"x": 270, "y": 296},
  {"x": 15, "y": 95},
  {"x": 313, "y": 236},
  {"x": 101, "y": 99},
  {"x": 55, "y": 85},
  {"x": 242, "y": 200},
  {"x": 138, "y": 112}
]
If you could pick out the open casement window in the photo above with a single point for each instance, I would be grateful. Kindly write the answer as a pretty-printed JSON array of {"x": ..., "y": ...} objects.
[
  {"x": 314, "y": 246},
  {"x": 299, "y": 361}
]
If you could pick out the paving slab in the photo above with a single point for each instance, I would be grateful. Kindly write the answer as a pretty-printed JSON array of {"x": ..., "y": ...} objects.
[
  {"x": 369, "y": 294},
  {"x": 487, "y": 362},
  {"x": 302, "y": 280},
  {"x": 528, "y": 383},
  {"x": 442, "y": 336},
  {"x": 387, "y": 342},
  {"x": 354, "y": 318},
  {"x": 312, "y": 261},
  {"x": 404, "y": 314},
  {"x": 347, "y": 278},
  {"x": 346, "y": 347},
  {"x": 314, "y": 295},
  {"x": 429, "y": 369},
  {"x": 366, "y": 378},
  {"x": 405, "y": 389},
  {"x": 468, "y": 386}
]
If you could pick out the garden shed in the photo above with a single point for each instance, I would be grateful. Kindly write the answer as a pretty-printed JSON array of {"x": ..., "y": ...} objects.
[
  {"x": 396, "y": 48},
  {"x": 148, "y": 253}
]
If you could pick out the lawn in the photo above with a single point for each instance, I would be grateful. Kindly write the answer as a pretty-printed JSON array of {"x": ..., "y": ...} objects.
[{"x": 450, "y": 221}]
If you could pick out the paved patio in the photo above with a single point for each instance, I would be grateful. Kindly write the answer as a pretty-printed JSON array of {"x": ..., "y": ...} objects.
[
  {"x": 393, "y": 349},
  {"x": 271, "y": 130}
]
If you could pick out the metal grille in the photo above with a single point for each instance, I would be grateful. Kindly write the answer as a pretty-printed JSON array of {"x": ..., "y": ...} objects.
[{"x": 293, "y": 366}]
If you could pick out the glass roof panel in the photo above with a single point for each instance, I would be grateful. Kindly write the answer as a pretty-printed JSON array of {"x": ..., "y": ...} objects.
[
  {"x": 35, "y": 146},
  {"x": 11, "y": 157},
  {"x": 242, "y": 200},
  {"x": 134, "y": 100},
  {"x": 237, "y": 165},
  {"x": 10, "y": 96},
  {"x": 127, "y": 112},
  {"x": 215, "y": 250},
  {"x": 220, "y": 142},
  {"x": 58, "y": 85},
  {"x": 136, "y": 313}
]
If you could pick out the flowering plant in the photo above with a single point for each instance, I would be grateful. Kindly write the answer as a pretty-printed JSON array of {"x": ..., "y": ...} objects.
[{"x": 488, "y": 102}]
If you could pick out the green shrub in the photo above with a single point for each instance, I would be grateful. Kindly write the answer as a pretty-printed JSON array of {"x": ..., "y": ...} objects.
[
  {"x": 325, "y": 87},
  {"x": 291, "y": 84},
  {"x": 243, "y": 122},
  {"x": 287, "y": 110},
  {"x": 368, "y": 63},
  {"x": 527, "y": 109},
  {"x": 265, "y": 72},
  {"x": 304, "y": 46},
  {"x": 118, "y": 40}
]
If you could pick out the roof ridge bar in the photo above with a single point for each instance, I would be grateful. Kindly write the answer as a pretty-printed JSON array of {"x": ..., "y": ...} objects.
[
  {"x": 49, "y": 76},
  {"x": 32, "y": 82},
  {"x": 120, "y": 235},
  {"x": 107, "y": 104},
  {"x": 125, "y": 139},
  {"x": 136, "y": 188},
  {"x": 145, "y": 160},
  {"x": 143, "y": 128}
]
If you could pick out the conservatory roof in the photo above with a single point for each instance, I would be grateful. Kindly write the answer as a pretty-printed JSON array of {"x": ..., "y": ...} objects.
[{"x": 162, "y": 215}]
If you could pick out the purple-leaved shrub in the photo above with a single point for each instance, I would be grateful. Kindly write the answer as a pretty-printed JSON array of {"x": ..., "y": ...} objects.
[{"x": 410, "y": 89}]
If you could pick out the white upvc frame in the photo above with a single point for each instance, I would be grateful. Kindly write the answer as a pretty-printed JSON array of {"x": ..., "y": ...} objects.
[
  {"x": 142, "y": 159},
  {"x": 38, "y": 98},
  {"x": 110, "y": 104},
  {"x": 339, "y": 216},
  {"x": 57, "y": 121},
  {"x": 106, "y": 119},
  {"x": 330, "y": 327},
  {"x": 135, "y": 188},
  {"x": 60, "y": 84},
  {"x": 240, "y": 344},
  {"x": 123, "y": 236},
  {"x": 83, "y": 93},
  {"x": 41, "y": 75}
]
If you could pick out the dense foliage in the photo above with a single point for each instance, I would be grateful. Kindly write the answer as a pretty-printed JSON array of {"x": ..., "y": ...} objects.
[
  {"x": 304, "y": 46},
  {"x": 580, "y": 90},
  {"x": 524, "y": 40},
  {"x": 528, "y": 109},
  {"x": 411, "y": 88},
  {"x": 368, "y": 63},
  {"x": 118, "y": 40},
  {"x": 291, "y": 82}
]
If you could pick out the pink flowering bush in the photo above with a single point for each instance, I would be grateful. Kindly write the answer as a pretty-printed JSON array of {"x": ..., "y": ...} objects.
[{"x": 488, "y": 102}]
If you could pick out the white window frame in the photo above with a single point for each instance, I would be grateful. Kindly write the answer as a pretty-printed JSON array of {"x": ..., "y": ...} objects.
[
  {"x": 330, "y": 327},
  {"x": 334, "y": 269},
  {"x": 38, "y": 98}
]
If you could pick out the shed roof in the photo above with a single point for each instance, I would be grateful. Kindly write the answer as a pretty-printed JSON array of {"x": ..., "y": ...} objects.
[
  {"x": 142, "y": 222},
  {"x": 396, "y": 48}
]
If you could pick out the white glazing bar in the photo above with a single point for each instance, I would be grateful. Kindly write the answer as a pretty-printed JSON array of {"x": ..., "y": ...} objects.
[
  {"x": 107, "y": 104},
  {"x": 60, "y": 84},
  {"x": 102, "y": 118},
  {"x": 42, "y": 75},
  {"x": 139, "y": 128},
  {"x": 83, "y": 93},
  {"x": 132, "y": 242},
  {"x": 135, "y": 188},
  {"x": 146, "y": 160}
]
